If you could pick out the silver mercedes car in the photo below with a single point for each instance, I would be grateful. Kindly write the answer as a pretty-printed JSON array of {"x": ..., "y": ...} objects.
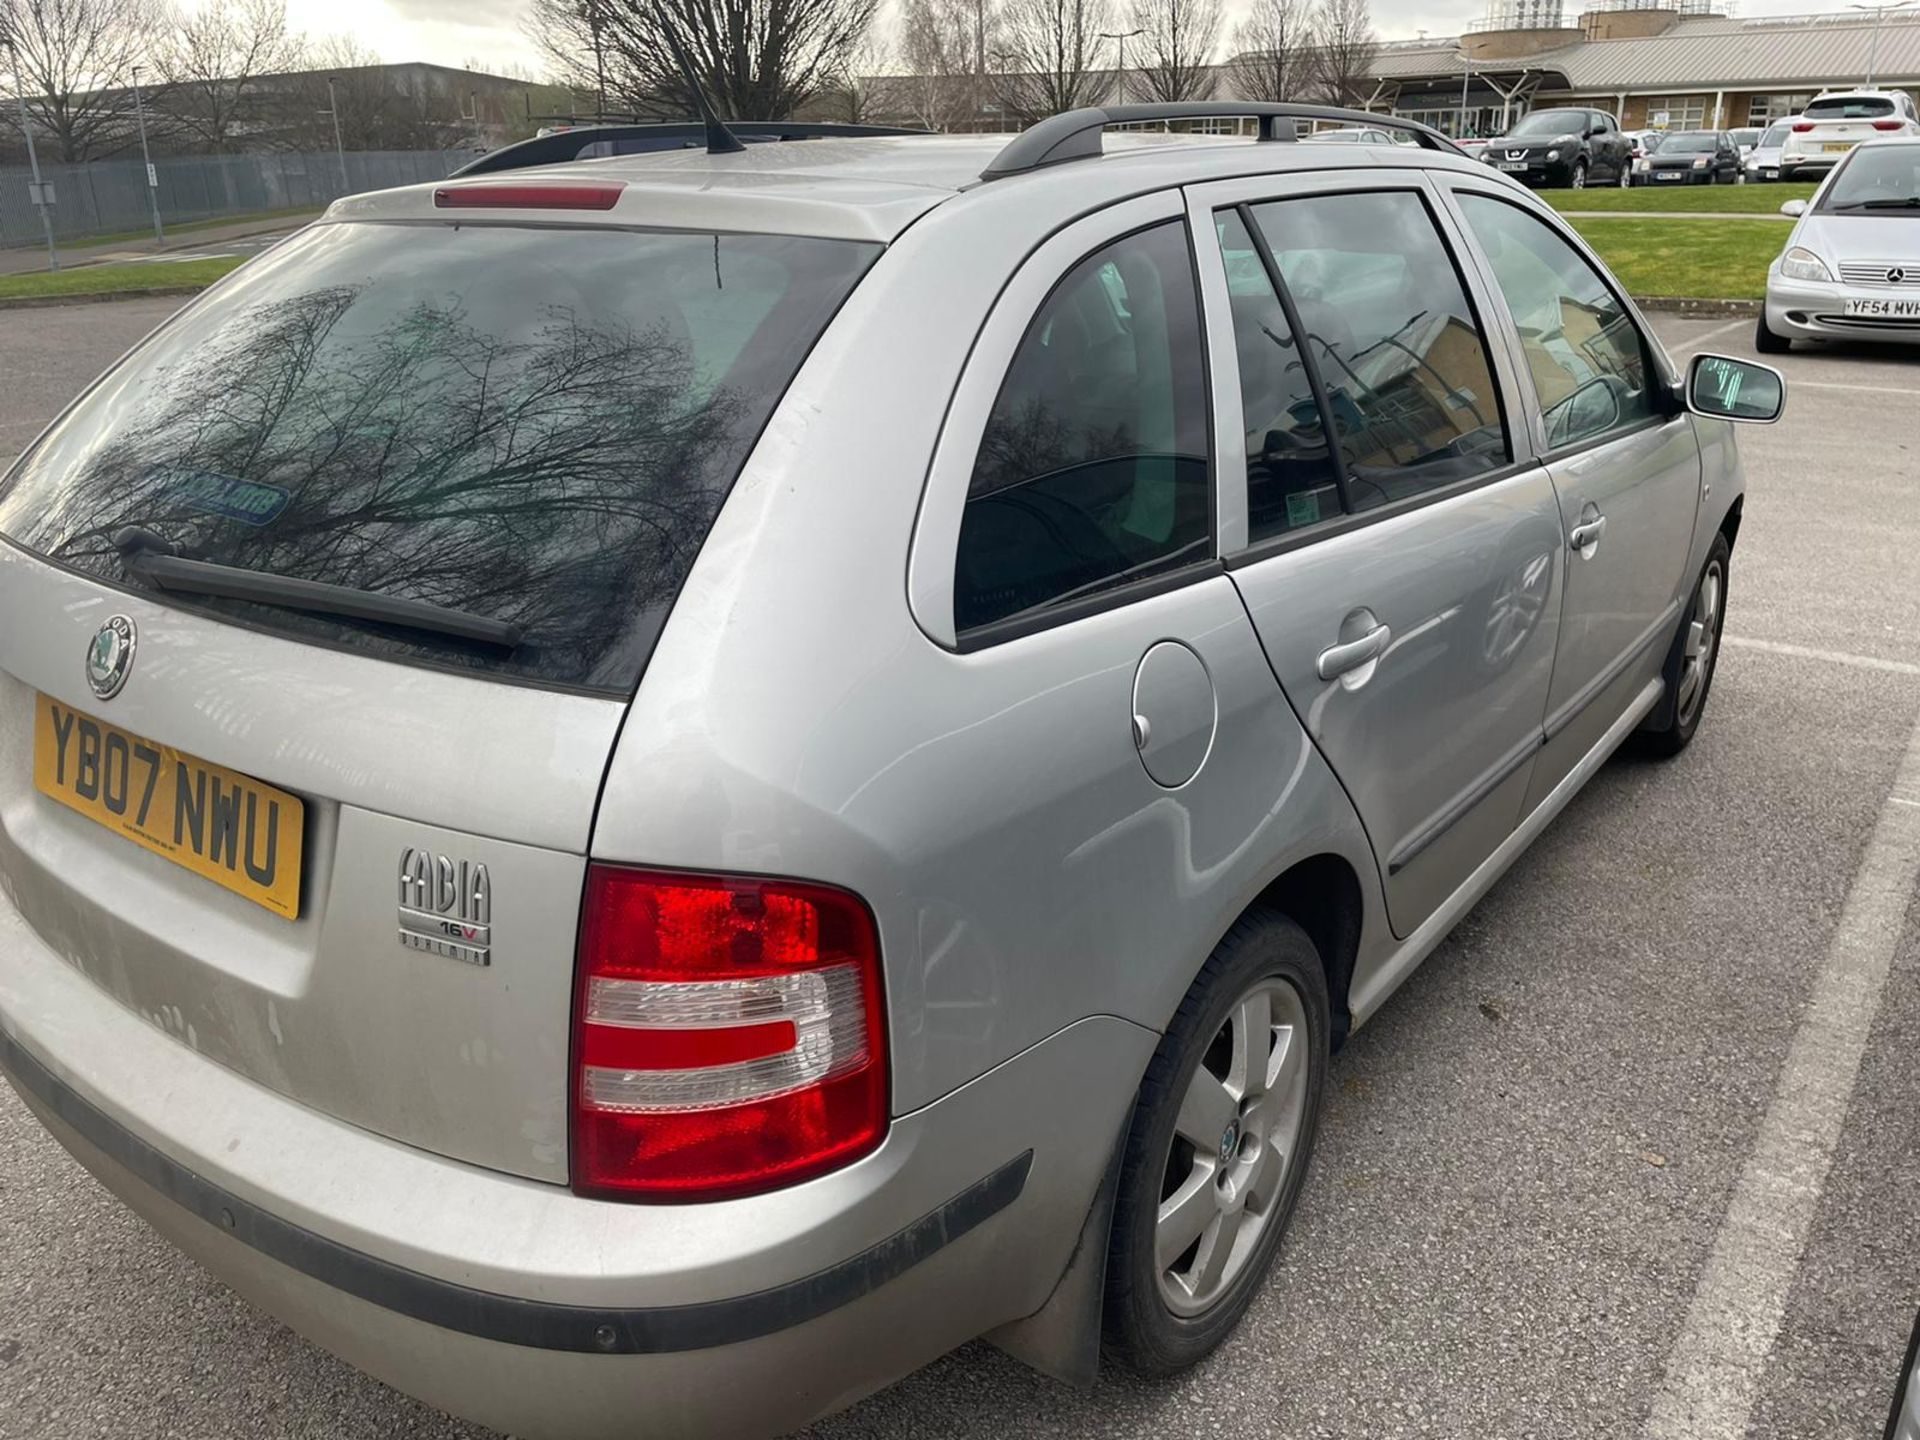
[
  {"x": 1851, "y": 267},
  {"x": 643, "y": 792}
]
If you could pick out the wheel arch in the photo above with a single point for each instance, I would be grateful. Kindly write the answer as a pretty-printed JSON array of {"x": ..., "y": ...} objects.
[
  {"x": 1321, "y": 894},
  {"x": 1730, "y": 522}
]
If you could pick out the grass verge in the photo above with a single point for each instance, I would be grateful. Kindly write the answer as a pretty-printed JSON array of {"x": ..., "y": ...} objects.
[
  {"x": 115, "y": 279},
  {"x": 190, "y": 227},
  {"x": 1701, "y": 199},
  {"x": 1696, "y": 259}
]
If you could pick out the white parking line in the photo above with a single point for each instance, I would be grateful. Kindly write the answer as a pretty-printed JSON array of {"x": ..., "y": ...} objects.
[
  {"x": 1832, "y": 657},
  {"x": 1863, "y": 389},
  {"x": 1714, "y": 1369},
  {"x": 1702, "y": 339}
]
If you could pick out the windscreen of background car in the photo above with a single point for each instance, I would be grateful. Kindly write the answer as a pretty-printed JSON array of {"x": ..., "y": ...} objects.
[
  {"x": 1550, "y": 122},
  {"x": 1882, "y": 179},
  {"x": 1698, "y": 143},
  {"x": 536, "y": 425}
]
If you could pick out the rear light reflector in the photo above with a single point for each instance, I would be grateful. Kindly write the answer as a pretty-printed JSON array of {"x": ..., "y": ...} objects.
[
  {"x": 530, "y": 195},
  {"x": 729, "y": 1035},
  {"x": 1888, "y": 124},
  {"x": 1801, "y": 127}
]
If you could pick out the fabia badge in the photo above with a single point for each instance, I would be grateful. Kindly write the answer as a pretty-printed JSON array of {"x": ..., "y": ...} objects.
[
  {"x": 110, "y": 657},
  {"x": 446, "y": 906}
]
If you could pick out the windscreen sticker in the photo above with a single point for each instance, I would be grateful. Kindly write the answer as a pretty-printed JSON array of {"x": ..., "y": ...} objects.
[
  {"x": 1303, "y": 508},
  {"x": 248, "y": 501}
]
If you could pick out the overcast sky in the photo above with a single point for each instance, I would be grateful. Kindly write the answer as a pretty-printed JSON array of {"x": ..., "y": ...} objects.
[{"x": 453, "y": 32}]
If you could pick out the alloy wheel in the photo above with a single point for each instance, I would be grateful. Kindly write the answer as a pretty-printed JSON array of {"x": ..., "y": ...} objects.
[
  {"x": 1235, "y": 1141},
  {"x": 1579, "y": 177},
  {"x": 1702, "y": 644}
]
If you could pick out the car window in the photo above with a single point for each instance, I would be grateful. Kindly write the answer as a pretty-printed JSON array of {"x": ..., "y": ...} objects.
[
  {"x": 534, "y": 424},
  {"x": 1094, "y": 468},
  {"x": 1775, "y": 137},
  {"x": 1849, "y": 107},
  {"x": 1396, "y": 345},
  {"x": 1876, "y": 178},
  {"x": 1291, "y": 478},
  {"x": 1587, "y": 358}
]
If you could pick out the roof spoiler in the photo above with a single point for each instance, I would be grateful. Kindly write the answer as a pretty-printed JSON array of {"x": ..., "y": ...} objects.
[
  {"x": 567, "y": 144},
  {"x": 1075, "y": 135}
]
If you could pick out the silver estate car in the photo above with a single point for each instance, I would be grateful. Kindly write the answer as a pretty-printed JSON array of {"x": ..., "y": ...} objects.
[
  {"x": 1851, "y": 267},
  {"x": 642, "y": 793}
]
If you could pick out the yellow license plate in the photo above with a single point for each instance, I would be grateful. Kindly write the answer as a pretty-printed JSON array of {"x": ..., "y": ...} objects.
[
  {"x": 1839, "y": 148},
  {"x": 238, "y": 833}
]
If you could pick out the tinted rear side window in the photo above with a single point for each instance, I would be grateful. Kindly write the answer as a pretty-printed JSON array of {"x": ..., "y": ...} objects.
[
  {"x": 536, "y": 425},
  {"x": 1093, "y": 471}
]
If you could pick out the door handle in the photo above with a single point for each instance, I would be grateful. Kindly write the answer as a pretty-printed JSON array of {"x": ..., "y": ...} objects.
[
  {"x": 1337, "y": 660},
  {"x": 1587, "y": 533}
]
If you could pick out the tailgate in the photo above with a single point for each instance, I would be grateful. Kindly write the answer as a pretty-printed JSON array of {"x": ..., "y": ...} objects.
[{"x": 340, "y": 1007}]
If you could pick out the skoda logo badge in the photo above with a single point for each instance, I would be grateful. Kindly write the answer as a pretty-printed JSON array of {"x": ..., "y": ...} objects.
[{"x": 110, "y": 657}]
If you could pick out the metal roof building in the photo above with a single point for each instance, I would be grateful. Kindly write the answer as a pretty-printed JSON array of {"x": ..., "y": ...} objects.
[{"x": 1642, "y": 64}]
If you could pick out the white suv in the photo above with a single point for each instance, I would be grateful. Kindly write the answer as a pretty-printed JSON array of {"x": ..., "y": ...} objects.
[{"x": 1836, "y": 122}]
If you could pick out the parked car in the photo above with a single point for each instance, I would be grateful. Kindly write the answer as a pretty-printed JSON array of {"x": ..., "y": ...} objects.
[
  {"x": 1351, "y": 135},
  {"x": 1903, "y": 1418},
  {"x": 1836, "y": 122},
  {"x": 642, "y": 794},
  {"x": 1744, "y": 140},
  {"x": 1641, "y": 143},
  {"x": 1564, "y": 148},
  {"x": 1694, "y": 157},
  {"x": 1763, "y": 161},
  {"x": 1851, "y": 267}
]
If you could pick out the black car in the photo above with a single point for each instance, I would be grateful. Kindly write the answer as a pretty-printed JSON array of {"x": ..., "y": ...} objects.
[
  {"x": 1694, "y": 157},
  {"x": 1559, "y": 149}
]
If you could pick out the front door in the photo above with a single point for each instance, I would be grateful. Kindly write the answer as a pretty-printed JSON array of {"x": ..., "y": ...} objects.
[
  {"x": 1401, "y": 566},
  {"x": 1625, "y": 467}
]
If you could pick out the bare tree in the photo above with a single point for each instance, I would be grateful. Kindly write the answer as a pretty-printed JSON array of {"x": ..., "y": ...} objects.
[
  {"x": 1344, "y": 50},
  {"x": 853, "y": 92},
  {"x": 73, "y": 60},
  {"x": 212, "y": 60},
  {"x": 1178, "y": 44},
  {"x": 1272, "y": 51},
  {"x": 1048, "y": 53},
  {"x": 756, "y": 59},
  {"x": 943, "y": 47}
]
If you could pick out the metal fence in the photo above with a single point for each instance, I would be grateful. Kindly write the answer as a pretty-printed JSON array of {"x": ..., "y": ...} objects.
[{"x": 110, "y": 197}]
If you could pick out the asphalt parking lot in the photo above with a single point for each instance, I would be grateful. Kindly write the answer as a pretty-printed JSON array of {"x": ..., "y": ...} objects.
[{"x": 1532, "y": 1212}]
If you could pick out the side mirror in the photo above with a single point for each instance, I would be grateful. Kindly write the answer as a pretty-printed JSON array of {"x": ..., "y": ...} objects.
[
  {"x": 1794, "y": 208},
  {"x": 1723, "y": 388}
]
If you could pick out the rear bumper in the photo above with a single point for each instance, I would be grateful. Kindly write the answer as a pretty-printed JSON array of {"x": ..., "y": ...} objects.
[{"x": 528, "y": 1309}]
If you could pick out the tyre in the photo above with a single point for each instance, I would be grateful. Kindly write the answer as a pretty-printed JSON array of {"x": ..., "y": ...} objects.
[
  {"x": 1218, "y": 1147},
  {"x": 1626, "y": 174},
  {"x": 1690, "y": 663},
  {"x": 1765, "y": 340},
  {"x": 1579, "y": 181}
]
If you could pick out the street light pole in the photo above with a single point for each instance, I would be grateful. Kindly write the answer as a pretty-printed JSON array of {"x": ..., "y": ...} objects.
[
  {"x": 1122, "y": 36},
  {"x": 39, "y": 191},
  {"x": 1466, "y": 79},
  {"x": 153, "y": 180},
  {"x": 339, "y": 150},
  {"x": 1873, "y": 46}
]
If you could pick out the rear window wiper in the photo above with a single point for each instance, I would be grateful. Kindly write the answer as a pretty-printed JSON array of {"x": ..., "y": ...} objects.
[{"x": 152, "y": 558}]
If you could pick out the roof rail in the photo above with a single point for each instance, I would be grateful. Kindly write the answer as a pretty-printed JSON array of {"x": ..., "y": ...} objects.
[
  {"x": 1075, "y": 134},
  {"x": 559, "y": 148}
]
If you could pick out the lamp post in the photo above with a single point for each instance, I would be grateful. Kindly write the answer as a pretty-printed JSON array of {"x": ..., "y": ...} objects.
[
  {"x": 1873, "y": 47},
  {"x": 153, "y": 180},
  {"x": 1466, "y": 79},
  {"x": 339, "y": 150},
  {"x": 38, "y": 191},
  {"x": 1122, "y": 36}
]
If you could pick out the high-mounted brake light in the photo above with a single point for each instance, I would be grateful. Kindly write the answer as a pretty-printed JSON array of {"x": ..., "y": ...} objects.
[
  {"x": 530, "y": 195},
  {"x": 728, "y": 1038}
]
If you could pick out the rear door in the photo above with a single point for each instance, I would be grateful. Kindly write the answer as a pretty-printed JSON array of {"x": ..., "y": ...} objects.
[
  {"x": 340, "y": 854},
  {"x": 1402, "y": 560},
  {"x": 1624, "y": 461}
]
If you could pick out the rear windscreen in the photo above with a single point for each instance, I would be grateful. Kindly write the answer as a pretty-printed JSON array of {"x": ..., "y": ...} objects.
[
  {"x": 535, "y": 425},
  {"x": 1864, "y": 108}
]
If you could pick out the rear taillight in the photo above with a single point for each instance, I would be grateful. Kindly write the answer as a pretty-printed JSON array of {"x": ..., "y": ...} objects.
[
  {"x": 1801, "y": 127},
  {"x": 728, "y": 1035},
  {"x": 530, "y": 195},
  {"x": 1889, "y": 124}
]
